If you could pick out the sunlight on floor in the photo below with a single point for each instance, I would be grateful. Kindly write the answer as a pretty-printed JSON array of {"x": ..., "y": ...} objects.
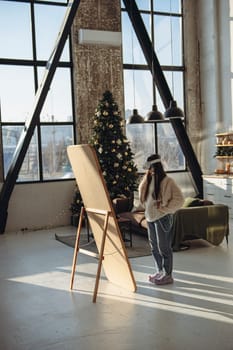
[{"x": 165, "y": 298}]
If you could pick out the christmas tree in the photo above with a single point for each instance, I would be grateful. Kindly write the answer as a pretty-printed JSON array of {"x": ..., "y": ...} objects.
[{"x": 113, "y": 149}]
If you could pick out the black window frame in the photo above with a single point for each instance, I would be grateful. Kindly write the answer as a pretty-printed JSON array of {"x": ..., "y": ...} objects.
[
  {"x": 35, "y": 64},
  {"x": 165, "y": 68}
]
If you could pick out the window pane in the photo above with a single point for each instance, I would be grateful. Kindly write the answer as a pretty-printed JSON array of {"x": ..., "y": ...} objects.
[
  {"x": 143, "y": 4},
  {"x": 171, "y": 6},
  {"x": 141, "y": 137},
  {"x": 175, "y": 82},
  {"x": 168, "y": 44},
  {"x": 29, "y": 170},
  {"x": 30, "y": 167},
  {"x": 169, "y": 148},
  {"x": 17, "y": 93},
  {"x": 132, "y": 52},
  {"x": 15, "y": 29},
  {"x": 55, "y": 140},
  {"x": 137, "y": 91},
  {"x": 10, "y": 137},
  {"x": 48, "y": 23},
  {"x": 58, "y": 103}
]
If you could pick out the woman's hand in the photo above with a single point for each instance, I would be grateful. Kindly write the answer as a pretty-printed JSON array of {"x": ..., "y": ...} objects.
[
  {"x": 157, "y": 203},
  {"x": 150, "y": 172}
]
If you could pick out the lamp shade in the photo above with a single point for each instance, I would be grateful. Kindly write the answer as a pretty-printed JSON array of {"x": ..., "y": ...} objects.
[
  {"x": 154, "y": 114},
  {"x": 173, "y": 110},
  {"x": 135, "y": 118}
]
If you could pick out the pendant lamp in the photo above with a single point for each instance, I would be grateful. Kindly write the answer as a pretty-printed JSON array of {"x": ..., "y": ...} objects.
[
  {"x": 135, "y": 118},
  {"x": 154, "y": 114},
  {"x": 173, "y": 111}
]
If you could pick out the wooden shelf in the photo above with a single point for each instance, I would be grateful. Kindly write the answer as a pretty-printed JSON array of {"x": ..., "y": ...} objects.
[
  {"x": 224, "y": 139},
  {"x": 224, "y": 162},
  {"x": 223, "y": 157},
  {"x": 224, "y": 134},
  {"x": 221, "y": 172}
]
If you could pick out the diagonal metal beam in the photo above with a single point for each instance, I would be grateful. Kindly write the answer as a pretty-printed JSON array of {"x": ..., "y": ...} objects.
[
  {"x": 33, "y": 120},
  {"x": 164, "y": 90},
  {"x": 189, "y": 154}
]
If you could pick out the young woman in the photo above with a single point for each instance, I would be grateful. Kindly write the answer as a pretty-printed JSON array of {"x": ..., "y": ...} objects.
[{"x": 161, "y": 197}]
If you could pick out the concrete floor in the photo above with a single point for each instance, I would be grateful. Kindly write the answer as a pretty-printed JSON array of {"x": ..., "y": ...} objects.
[{"x": 39, "y": 312}]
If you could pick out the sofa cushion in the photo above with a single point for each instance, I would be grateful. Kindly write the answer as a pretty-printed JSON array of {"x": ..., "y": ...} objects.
[
  {"x": 192, "y": 202},
  {"x": 207, "y": 202}
]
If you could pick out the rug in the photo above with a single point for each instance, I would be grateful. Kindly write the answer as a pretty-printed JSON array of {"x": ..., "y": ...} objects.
[{"x": 140, "y": 246}]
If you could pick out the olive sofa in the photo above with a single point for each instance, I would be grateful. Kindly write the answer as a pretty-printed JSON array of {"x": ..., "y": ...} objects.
[{"x": 203, "y": 220}]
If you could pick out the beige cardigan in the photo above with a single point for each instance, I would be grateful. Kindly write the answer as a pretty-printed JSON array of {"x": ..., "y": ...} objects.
[{"x": 170, "y": 197}]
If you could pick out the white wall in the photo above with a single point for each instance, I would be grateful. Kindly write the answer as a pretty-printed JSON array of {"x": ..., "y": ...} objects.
[
  {"x": 40, "y": 205},
  {"x": 46, "y": 205},
  {"x": 214, "y": 25}
]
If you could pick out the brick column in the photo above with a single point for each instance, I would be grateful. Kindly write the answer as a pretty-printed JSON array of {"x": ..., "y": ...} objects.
[{"x": 97, "y": 67}]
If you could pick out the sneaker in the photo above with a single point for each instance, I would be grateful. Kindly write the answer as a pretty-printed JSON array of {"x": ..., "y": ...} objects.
[
  {"x": 156, "y": 276},
  {"x": 167, "y": 279}
]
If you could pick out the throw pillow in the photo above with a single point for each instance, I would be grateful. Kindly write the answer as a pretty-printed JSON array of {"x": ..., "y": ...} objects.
[
  {"x": 121, "y": 205},
  {"x": 192, "y": 202},
  {"x": 207, "y": 202}
]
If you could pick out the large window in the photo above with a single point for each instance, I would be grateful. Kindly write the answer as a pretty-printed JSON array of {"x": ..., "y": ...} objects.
[
  {"x": 163, "y": 22},
  {"x": 28, "y": 31}
]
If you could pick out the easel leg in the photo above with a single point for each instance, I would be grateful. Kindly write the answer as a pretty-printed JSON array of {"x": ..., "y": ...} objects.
[
  {"x": 101, "y": 257},
  {"x": 76, "y": 248}
]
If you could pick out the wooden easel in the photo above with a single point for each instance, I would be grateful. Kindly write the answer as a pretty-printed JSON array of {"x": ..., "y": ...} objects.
[
  {"x": 102, "y": 220},
  {"x": 100, "y": 256}
]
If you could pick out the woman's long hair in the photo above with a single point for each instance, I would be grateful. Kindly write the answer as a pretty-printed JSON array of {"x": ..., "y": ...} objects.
[{"x": 159, "y": 175}]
